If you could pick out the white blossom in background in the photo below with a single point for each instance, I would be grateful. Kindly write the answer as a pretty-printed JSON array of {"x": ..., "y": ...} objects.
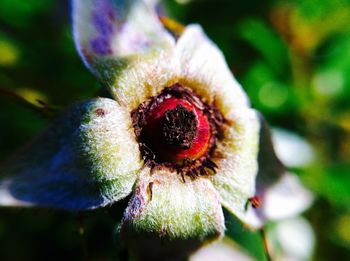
[
  {"x": 224, "y": 250},
  {"x": 291, "y": 149},
  {"x": 292, "y": 240}
]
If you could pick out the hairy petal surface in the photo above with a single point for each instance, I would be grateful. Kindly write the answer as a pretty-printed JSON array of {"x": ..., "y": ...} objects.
[
  {"x": 236, "y": 158},
  {"x": 170, "y": 215},
  {"x": 203, "y": 68},
  {"x": 195, "y": 62},
  {"x": 86, "y": 159},
  {"x": 116, "y": 29},
  {"x": 143, "y": 78}
]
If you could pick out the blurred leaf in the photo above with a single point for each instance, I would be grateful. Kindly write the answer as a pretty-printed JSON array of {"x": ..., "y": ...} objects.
[
  {"x": 261, "y": 36},
  {"x": 19, "y": 13},
  {"x": 267, "y": 92},
  {"x": 249, "y": 240},
  {"x": 314, "y": 21},
  {"x": 342, "y": 228},
  {"x": 18, "y": 125},
  {"x": 332, "y": 79},
  {"x": 333, "y": 183},
  {"x": 9, "y": 53}
]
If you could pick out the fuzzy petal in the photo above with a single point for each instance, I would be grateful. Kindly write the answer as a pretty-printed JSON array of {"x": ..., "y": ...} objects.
[
  {"x": 236, "y": 158},
  {"x": 195, "y": 62},
  {"x": 142, "y": 78},
  {"x": 203, "y": 68},
  {"x": 116, "y": 30},
  {"x": 171, "y": 216},
  {"x": 86, "y": 159}
]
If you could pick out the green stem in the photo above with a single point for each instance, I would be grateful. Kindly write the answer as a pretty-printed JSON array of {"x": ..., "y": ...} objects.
[{"x": 266, "y": 244}]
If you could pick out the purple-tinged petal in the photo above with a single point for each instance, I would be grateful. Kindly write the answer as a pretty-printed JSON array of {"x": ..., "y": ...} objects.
[
  {"x": 86, "y": 159},
  {"x": 116, "y": 30},
  {"x": 171, "y": 217}
]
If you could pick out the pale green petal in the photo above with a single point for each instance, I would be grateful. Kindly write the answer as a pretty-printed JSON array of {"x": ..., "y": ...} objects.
[
  {"x": 236, "y": 156},
  {"x": 118, "y": 30},
  {"x": 195, "y": 62},
  {"x": 86, "y": 159},
  {"x": 166, "y": 214},
  {"x": 203, "y": 68},
  {"x": 143, "y": 77}
]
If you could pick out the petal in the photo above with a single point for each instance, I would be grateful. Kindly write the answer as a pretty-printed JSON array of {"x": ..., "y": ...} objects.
[
  {"x": 223, "y": 250},
  {"x": 236, "y": 158},
  {"x": 195, "y": 62},
  {"x": 292, "y": 239},
  {"x": 143, "y": 78},
  {"x": 286, "y": 198},
  {"x": 116, "y": 30},
  {"x": 169, "y": 215},
  {"x": 86, "y": 159},
  {"x": 203, "y": 68},
  {"x": 291, "y": 149},
  {"x": 280, "y": 192}
]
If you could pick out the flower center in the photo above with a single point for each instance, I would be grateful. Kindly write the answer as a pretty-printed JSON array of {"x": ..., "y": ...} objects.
[
  {"x": 179, "y": 127},
  {"x": 177, "y": 130}
]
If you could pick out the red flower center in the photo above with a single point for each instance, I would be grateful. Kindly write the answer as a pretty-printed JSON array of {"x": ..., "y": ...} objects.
[{"x": 177, "y": 130}]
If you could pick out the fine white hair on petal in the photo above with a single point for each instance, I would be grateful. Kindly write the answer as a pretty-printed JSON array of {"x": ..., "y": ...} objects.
[
  {"x": 163, "y": 206},
  {"x": 143, "y": 78},
  {"x": 203, "y": 68},
  {"x": 87, "y": 158},
  {"x": 182, "y": 207},
  {"x": 237, "y": 161},
  {"x": 195, "y": 62}
]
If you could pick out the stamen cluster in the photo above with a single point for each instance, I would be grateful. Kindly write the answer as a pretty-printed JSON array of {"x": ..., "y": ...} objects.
[{"x": 177, "y": 130}]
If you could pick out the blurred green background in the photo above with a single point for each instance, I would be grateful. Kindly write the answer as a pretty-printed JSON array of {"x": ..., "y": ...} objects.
[{"x": 292, "y": 57}]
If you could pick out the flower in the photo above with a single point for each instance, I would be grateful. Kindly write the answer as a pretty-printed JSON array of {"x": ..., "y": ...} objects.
[{"x": 178, "y": 134}]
